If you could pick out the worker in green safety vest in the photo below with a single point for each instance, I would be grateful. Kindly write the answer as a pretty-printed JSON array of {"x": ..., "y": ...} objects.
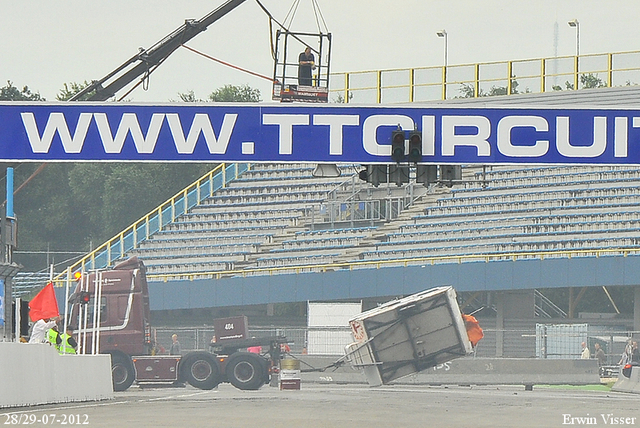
[
  {"x": 53, "y": 337},
  {"x": 64, "y": 343},
  {"x": 67, "y": 344}
]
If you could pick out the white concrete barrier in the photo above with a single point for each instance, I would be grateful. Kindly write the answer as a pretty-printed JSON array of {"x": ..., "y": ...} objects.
[
  {"x": 33, "y": 374},
  {"x": 472, "y": 371}
]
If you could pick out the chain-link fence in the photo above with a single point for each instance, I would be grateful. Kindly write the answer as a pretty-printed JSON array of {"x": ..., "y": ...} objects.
[
  {"x": 552, "y": 341},
  {"x": 301, "y": 340}
]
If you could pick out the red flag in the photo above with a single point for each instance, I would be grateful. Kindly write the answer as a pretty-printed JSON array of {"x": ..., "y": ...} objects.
[{"x": 44, "y": 305}]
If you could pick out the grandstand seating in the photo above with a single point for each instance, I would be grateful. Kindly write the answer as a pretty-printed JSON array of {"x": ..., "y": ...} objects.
[
  {"x": 26, "y": 284},
  {"x": 262, "y": 220},
  {"x": 514, "y": 209},
  {"x": 256, "y": 221}
]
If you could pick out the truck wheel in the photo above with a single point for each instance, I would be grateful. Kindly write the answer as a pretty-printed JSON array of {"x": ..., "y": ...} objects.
[
  {"x": 122, "y": 372},
  {"x": 246, "y": 371},
  {"x": 200, "y": 370}
]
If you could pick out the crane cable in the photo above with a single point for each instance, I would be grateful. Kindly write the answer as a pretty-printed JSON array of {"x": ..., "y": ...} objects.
[
  {"x": 142, "y": 80},
  {"x": 290, "y": 15},
  {"x": 271, "y": 18},
  {"x": 320, "y": 22},
  {"x": 253, "y": 73},
  {"x": 271, "y": 21},
  {"x": 319, "y": 17},
  {"x": 271, "y": 44}
]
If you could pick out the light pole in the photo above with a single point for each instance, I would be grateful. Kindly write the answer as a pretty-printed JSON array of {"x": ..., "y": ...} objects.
[
  {"x": 574, "y": 23},
  {"x": 443, "y": 34}
]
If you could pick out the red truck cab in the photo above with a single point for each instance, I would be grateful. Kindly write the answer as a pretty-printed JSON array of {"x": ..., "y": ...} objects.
[{"x": 117, "y": 301}]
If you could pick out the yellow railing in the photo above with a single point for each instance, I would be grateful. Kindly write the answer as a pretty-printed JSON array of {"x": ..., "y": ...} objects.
[
  {"x": 116, "y": 247},
  {"x": 490, "y": 78},
  {"x": 378, "y": 264}
]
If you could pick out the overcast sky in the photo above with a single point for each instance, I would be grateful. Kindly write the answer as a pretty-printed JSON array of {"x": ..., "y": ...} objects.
[{"x": 46, "y": 43}]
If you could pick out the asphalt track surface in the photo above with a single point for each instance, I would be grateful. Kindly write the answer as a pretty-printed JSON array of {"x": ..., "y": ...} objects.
[{"x": 345, "y": 406}]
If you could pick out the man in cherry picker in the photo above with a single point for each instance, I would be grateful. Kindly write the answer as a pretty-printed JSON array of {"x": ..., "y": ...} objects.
[{"x": 306, "y": 63}]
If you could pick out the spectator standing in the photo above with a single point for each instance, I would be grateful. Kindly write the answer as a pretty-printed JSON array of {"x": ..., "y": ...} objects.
[
  {"x": 212, "y": 343},
  {"x": 635, "y": 353},
  {"x": 175, "y": 346},
  {"x": 626, "y": 354},
  {"x": 600, "y": 355},
  {"x": 586, "y": 354}
]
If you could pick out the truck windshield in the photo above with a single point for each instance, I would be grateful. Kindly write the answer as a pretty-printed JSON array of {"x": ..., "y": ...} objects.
[{"x": 76, "y": 313}]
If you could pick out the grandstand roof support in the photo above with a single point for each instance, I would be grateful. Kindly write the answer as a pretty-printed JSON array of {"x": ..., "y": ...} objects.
[
  {"x": 573, "y": 303},
  {"x": 469, "y": 300},
  {"x": 611, "y": 299}
]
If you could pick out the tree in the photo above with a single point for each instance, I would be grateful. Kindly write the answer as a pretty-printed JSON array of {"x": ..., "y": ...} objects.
[
  {"x": 468, "y": 90},
  {"x": 591, "y": 80},
  {"x": 73, "y": 88},
  {"x": 47, "y": 218},
  {"x": 189, "y": 97},
  {"x": 11, "y": 93},
  {"x": 340, "y": 99},
  {"x": 112, "y": 196},
  {"x": 588, "y": 81},
  {"x": 226, "y": 94},
  {"x": 74, "y": 207},
  {"x": 231, "y": 93}
]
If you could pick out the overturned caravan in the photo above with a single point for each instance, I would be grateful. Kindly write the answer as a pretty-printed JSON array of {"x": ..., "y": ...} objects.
[{"x": 409, "y": 335}]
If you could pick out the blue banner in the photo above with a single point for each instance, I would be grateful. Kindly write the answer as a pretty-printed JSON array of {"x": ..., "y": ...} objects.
[{"x": 334, "y": 133}]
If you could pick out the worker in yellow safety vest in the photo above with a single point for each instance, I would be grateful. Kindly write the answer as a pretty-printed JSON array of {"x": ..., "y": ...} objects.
[
  {"x": 67, "y": 344},
  {"x": 64, "y": 343},
  {"x": 53, "y": 337}
]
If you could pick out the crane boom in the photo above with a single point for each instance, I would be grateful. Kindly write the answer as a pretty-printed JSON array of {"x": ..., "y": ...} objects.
[{"x": 146, "y": 59}]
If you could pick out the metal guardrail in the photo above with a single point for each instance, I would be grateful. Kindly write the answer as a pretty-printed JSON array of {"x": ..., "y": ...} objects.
[
  {"x": 156, "y": 220},
  {"x": 545, "y": 308},
  {"x": 489, "y": 78},
  {"x": 355, "y": 212}
]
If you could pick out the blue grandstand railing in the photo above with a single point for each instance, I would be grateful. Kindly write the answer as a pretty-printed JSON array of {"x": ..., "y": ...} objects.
[{"x": 116, "y": 247}]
